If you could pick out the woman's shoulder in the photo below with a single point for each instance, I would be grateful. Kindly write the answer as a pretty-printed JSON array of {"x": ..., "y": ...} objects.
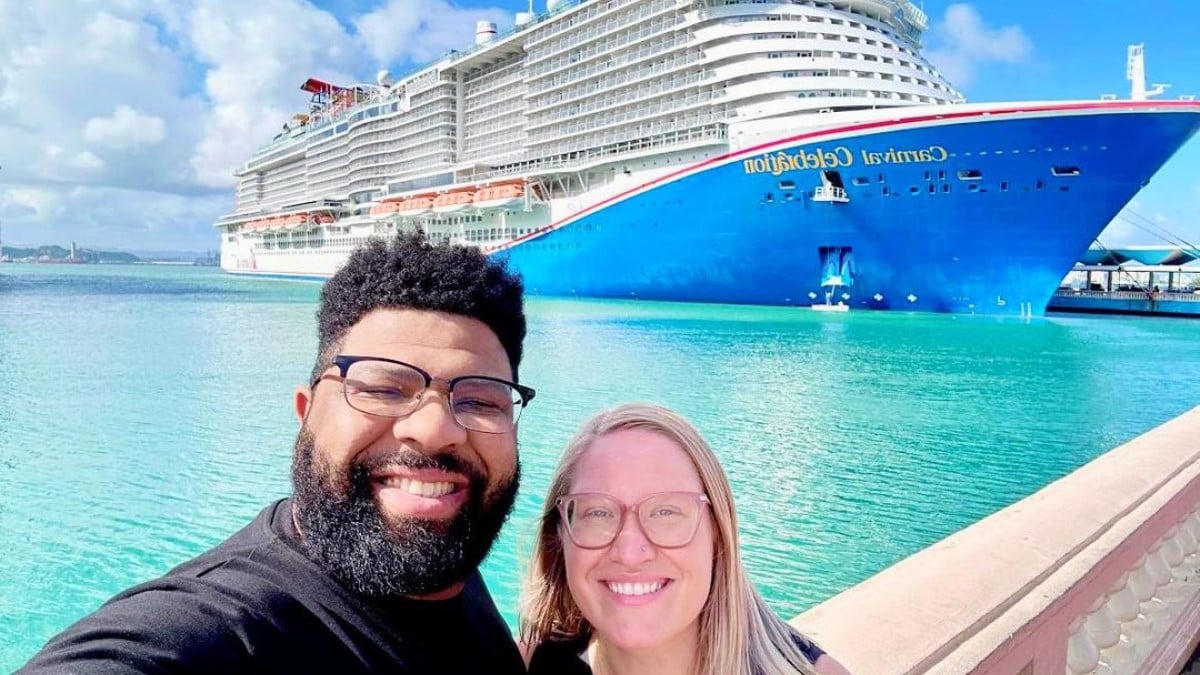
[
  {"x": 559, "y": 657},
  {"x": 809, "y": 648}
]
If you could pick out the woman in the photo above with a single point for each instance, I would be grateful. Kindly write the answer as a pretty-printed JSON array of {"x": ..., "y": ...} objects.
[{"x": 637, "y": 567}]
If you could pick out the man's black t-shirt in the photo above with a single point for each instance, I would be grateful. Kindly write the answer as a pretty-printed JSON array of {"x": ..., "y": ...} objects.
[{"x": 257, "y": 604}]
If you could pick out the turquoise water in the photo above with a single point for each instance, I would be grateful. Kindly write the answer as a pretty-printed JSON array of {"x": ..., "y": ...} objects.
[{"x": 146, "y": 414}]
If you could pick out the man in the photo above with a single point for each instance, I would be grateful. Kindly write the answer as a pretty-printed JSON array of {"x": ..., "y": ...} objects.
[{"x": 405, "y": 468}]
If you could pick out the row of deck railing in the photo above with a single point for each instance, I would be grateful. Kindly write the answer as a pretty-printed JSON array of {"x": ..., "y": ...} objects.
[{"x": 1097, "y": 573}]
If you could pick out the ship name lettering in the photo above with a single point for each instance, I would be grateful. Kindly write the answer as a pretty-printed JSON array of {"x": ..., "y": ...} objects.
[
  {"x": 781, "y": 162},
  {"x": 934, "y": 153}
]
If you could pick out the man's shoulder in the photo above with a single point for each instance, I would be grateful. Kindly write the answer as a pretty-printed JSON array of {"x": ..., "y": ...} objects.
[{"x": 247, "y": 597}]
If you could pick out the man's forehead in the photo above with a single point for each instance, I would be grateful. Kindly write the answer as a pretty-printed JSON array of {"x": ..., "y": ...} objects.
[{"x": 413, "y": 333}]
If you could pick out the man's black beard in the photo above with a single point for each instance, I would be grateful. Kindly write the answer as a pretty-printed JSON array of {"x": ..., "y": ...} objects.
[{"x": 344, "y": 532}]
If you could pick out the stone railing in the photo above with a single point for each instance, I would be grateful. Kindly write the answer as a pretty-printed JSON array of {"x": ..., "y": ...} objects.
[{"x": 1098, "y": 572}]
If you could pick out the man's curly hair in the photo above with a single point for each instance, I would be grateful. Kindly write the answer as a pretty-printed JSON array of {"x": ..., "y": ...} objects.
[{"x": 406, "y": 272}]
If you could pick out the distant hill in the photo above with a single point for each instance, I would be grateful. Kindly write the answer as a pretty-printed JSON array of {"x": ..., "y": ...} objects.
[
  {"x": 160, "y": 255},
  {"x": 56, "y": 253}
]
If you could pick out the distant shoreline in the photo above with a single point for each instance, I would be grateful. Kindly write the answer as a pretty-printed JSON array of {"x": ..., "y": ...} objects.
[{"x": 75, "y": 255}]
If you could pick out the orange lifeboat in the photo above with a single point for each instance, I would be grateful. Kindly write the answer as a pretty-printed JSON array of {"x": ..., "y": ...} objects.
[
  {"x": 500, "y": 195},
  {"x": 415, "y": 206},
  {"x": 384, "y": 210},
  {"x": 450, "y": 202}
]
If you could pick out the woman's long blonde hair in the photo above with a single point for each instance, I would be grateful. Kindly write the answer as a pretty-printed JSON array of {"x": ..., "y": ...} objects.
[{"x": 739, "y": 634}]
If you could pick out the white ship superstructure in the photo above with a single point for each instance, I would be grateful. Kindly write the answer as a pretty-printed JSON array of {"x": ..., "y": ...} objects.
[{"x": 560, "y": 102}]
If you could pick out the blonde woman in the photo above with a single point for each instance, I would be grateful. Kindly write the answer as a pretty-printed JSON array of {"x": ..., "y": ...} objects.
[{"x": 637, "y": 567}]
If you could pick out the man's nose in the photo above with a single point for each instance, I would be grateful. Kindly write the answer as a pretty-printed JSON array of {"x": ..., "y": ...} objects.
[{"x": 431, "y": 425}]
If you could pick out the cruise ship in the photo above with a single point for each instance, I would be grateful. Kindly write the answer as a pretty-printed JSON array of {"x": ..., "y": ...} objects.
[{"x": 743, "y": 151}]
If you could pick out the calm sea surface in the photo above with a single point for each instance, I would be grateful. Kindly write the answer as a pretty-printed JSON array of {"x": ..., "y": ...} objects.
[{"x": 146, "y": 414}]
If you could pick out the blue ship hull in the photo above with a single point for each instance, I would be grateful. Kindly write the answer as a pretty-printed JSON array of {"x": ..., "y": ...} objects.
[{"x": 988, "y": 218}]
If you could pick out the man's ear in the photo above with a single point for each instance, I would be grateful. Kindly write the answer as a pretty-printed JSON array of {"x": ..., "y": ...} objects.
[{"x": 304, "y": 398}]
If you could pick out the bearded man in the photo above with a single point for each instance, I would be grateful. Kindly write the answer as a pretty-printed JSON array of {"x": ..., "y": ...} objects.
[{"x": 405, "y": 468}]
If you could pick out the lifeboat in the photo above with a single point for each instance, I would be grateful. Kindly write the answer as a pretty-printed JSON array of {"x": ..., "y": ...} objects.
[
  {"x": 416, "y": 206},
  {"x": 450, "y": 202},
  {"x": 500, "y": 196},
  {"x": 384, "y": 209}
]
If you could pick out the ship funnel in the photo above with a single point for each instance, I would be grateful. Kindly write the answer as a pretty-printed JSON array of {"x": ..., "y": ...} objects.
[
  {"x": 485, "y": 31},
  {"x": 523, "y": 18}
]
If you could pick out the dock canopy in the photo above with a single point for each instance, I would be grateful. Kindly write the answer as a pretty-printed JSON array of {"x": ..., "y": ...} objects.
[{"x": 1144, "y": 255}]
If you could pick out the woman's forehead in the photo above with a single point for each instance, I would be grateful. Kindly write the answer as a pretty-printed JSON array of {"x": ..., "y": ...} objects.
[{"x": 631, "y": 463}]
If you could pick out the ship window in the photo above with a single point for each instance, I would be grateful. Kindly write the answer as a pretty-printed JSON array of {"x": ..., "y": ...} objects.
[
  {"x": 973, "y": 187},
  {"x": 886, "y": 191},
  {"x": 946, "y": 187},
  {"x": 1004, "y": 186},
  {"x": 914, "y": 190},
  {"x": 926, "y": 175},
  {"x": 1065, "y": 171},
  {"x": 787, "y": 185},
  {"x": 970, "y": 174},
  {"x": 1040, "y": 185},
  {"x": 861, "y": 180},
  {"x": 941, "y": 174}
]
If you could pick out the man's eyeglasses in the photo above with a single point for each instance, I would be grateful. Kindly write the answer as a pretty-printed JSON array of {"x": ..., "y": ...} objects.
[
  {"x": 389, "y": 388},
  {"x": 669, "y": 519}
]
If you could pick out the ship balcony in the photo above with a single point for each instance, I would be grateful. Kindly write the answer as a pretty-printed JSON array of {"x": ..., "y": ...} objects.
[
  {"x": 1098, "y": 572},
  {"x": 831, "y": 194}
]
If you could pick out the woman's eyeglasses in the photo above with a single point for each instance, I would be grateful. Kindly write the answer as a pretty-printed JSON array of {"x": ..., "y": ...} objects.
[{"x": 669, "y": 519}]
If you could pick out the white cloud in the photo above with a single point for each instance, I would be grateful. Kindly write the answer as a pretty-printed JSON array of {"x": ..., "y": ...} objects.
[
  {"x": 40, "y": 204},
  {"x": 960, "y": 42},
  {"x": 154, "y": 103},
  {"x": 86, "y": 161},
  {"x": 73, "y": 78},
  {"x": 124, "y": 128},
  {"x": 89, "y": 215},
  {"x": 422, "y": 30},
  {"x": 257, "y": 54}
]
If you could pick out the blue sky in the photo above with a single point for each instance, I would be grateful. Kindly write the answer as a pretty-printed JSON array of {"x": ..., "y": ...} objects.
[{"x": 121, "y": 121}]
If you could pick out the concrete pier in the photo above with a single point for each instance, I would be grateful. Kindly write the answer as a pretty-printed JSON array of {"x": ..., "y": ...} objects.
[{"x": 1098, "y": 572}]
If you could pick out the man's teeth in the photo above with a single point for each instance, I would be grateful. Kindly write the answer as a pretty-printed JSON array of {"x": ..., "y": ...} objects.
[
  {"x": 635, "y": 589},
  {"x": 420, "y": 488}
]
